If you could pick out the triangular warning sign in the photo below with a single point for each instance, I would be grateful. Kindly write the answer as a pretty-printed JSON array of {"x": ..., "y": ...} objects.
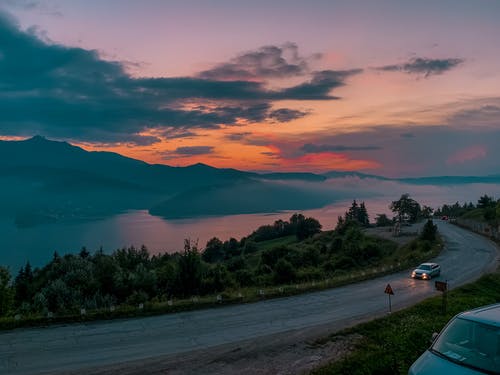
[{"x": 388, "y": 289}]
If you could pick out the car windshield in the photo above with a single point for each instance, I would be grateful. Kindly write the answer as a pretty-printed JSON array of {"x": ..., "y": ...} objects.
[
  {"x": 424, "y": 267},
  {"x": 471, "y": 344}
]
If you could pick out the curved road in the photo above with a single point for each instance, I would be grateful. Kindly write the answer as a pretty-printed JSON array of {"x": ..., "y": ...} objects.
[{"x": 75, "y": 347}]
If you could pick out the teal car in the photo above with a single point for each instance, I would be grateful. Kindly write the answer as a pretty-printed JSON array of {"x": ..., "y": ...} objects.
[{"x": 469, "y": 344}]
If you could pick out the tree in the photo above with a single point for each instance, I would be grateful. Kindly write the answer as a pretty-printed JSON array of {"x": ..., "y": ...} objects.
[
  {"x": 353, "y": 212},
  {"x": 284, "y": 272},
  {"x": 486, "y": 202},
  {"x": 429, "y": 231},
  {"x": 427, "y": 212},
  {"x": 190, "y": 271},
  {"x": 213, "y": 251},
  {"x": 23, "y": 285},
  {"x": 406, "y": 207},
  {"x": 295, "y": 220},
  {"x": 231, "y": 248},
  {"x": 307, "y": 228},
  {"x": 358, "y": 213},
  {"x": 382, "y": 221},
  {"x": 5, "y": 291},
  {"x": 363, "y": 217}
]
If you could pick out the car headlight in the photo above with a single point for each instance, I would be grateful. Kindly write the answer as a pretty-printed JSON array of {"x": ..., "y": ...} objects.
[
  {"x": 424, "y": 276},
  {"x": 413, "y": 274}
]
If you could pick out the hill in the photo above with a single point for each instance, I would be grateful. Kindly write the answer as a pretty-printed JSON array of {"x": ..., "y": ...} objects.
[{"x": 45, "y": 181}]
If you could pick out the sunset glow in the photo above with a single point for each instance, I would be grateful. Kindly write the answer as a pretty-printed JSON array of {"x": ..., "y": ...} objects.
[{"x": 326, "y": 85}]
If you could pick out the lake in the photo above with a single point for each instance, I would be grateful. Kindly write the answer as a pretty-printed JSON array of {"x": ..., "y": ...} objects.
[{"x": 37, "y": 244}]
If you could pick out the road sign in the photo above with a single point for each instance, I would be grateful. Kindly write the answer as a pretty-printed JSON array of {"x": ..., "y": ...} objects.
[
  {"x": 388, "y": 290},
  {"x": 441, "y": 286}
]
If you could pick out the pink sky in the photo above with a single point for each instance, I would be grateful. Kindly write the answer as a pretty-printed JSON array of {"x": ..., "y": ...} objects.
[{"x": 388, "y": 87}]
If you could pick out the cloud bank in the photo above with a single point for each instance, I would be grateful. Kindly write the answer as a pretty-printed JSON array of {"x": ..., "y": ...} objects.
[
  {"x": 72, "y": 93},
  {"x": 424, "y": 66}
]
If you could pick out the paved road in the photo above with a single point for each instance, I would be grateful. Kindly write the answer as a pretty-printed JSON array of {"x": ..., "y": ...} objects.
[{"x": 63, "y": 348}]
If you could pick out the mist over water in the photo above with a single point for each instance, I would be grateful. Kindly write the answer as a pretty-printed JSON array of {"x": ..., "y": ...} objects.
[{"x": 37, "y": 244}]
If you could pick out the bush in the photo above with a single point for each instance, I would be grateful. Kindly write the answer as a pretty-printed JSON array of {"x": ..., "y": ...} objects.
[
  {"x": 284, "y": 272},
  {"x": 429, "y": 231}
]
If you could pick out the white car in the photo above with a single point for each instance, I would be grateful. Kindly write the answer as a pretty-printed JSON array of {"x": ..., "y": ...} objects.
[{"x": 426, "y": 271}]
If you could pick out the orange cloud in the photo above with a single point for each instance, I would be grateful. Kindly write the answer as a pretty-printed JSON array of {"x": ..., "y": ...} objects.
[
  {"x": 324, "y": 161},
  {"x": 468, "y": 154}
]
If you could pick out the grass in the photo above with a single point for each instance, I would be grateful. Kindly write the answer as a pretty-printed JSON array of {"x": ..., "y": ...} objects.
[
  {"x": 391, "y": 344},
  {"x": 476, "y": 214},
  {"x": 282, "y": 241}
]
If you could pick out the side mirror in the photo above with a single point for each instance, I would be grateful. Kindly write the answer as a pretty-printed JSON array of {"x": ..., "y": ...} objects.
[{"x": 433, "y": 337}]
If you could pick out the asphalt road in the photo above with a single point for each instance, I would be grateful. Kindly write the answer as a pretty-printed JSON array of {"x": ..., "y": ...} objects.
[{"x": 75, "y": 347}]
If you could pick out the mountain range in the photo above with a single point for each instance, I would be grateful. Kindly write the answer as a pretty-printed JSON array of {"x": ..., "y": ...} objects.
[{"x": 44, "y": 180}]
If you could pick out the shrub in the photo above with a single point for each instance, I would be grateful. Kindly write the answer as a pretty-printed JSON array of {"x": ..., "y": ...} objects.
[
  {"x": 429, "y": 231},
  {"x": 284, "y": 272}
]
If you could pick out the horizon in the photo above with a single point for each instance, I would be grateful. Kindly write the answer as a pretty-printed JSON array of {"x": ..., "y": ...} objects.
[
  {"x": 263, "y": 172},
  {"x": 388, "y": 89}
]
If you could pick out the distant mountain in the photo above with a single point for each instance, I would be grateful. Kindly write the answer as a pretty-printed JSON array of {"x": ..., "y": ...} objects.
[
  {"x": 451, "y": 180},
  {"x": 40, "y": 152},
  {"x": 434, "y": 180},
  {"x": 241, "y": 198},
  {"x": 343, "y": 174},
  {"x": 48, "y": 181},
  {"x": 293, "y": 176}
]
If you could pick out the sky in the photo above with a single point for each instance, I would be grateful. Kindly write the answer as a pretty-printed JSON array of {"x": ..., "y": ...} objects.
[{"x": 388, "y": 87}]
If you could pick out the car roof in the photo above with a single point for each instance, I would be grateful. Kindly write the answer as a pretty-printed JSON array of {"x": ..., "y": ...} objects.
[
  {"x": 486, "y": 314},
  {"x": 427, "y": 264}
]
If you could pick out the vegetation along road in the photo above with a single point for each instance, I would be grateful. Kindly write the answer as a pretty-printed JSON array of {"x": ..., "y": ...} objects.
[{"x": 96, "y": 345}]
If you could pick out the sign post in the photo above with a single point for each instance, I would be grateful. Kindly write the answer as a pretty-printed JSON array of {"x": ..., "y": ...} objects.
[
  {"x": 388, "y": 290},
  {"x": 442, "y": 286}
]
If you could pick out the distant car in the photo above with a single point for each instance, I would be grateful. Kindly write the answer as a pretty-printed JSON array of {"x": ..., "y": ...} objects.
[
  {"x": 469, "y": 344},
  {"x": 426, "y": 271},
  {"x": 444, "y": 217}
]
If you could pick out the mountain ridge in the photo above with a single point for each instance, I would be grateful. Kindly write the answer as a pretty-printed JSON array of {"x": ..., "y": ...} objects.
[{"x": 57, "y": 179}]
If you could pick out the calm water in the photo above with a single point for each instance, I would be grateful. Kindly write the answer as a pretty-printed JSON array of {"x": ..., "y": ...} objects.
[{"x": 37, "y": 244}]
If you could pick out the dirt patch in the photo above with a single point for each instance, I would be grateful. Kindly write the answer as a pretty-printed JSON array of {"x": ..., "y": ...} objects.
[{"x": 293, "y": 353}]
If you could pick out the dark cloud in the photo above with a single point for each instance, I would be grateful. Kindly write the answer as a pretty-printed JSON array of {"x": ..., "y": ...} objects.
[
  {"x": 33, "y": 5},
  {"x": 174, "y": 133},
  {"x": 269, "y": 153},
  {"x": 186, "y": 151},
  {"x": 24, "y": 4},
  {"x": 286, "y": 115},
  {"x": 424, "y": 66},
  {"x": 407, "y": 135},
  {"x": 319, "y": 87},
  {"x": 71, "y": 93},
  {"x": 310, "y": 148},
  {"x": 486, "y": 114},
  {"x": 237, "y": 136},
  {"x": 194, "y": 150},
  {"x": 267, "y": 62}
]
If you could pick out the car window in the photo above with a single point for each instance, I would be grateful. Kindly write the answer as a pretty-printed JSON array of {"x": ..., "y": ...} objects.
[
  {"x": 424, "y": 267},
  {"x": 471, "y": 344}
]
